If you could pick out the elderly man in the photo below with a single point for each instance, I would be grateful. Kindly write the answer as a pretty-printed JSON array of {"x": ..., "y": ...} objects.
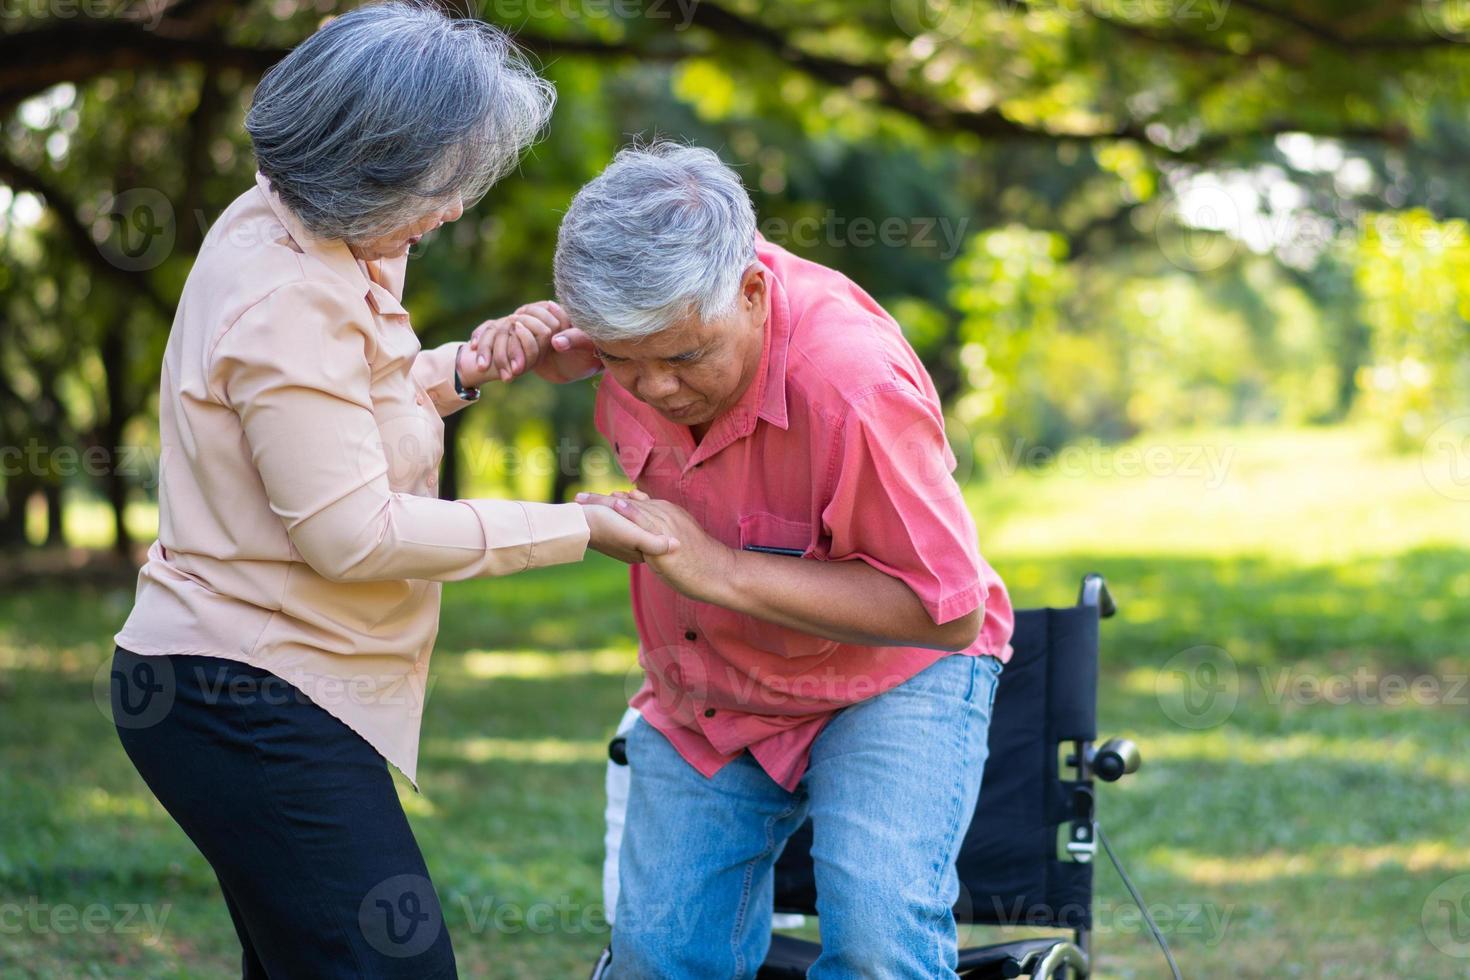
[{"x": 824, "y": 639}]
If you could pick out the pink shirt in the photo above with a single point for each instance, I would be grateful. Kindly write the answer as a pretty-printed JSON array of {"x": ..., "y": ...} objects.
[
  {"x": 837, "y": 449},
  {"x": 300, "y": 529}
]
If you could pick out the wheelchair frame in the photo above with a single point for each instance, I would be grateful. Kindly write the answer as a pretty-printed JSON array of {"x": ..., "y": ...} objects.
[{"x": 1042, "y": 958}]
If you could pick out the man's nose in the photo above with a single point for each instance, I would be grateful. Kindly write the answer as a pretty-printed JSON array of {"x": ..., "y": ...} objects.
[{"x": 657, "y": 385}]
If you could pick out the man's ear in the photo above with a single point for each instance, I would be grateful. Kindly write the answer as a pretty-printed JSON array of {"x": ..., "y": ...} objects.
[{"x": 755, "y": 290}]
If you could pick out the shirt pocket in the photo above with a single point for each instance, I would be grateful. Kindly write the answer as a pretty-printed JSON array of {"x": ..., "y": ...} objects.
[{"x": 761, "y": 530}]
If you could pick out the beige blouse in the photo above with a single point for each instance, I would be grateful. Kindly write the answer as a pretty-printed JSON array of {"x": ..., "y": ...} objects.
[{"x": 301, "y": 432}]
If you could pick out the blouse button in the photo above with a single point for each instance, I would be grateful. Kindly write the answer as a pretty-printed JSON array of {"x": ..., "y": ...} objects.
[
  {"x": 709, "y": 712},
  {"x": 690, "y": 635}
]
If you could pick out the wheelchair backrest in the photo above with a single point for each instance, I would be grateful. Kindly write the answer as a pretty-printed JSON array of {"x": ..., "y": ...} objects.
[{"x": 1008, "y": 866}]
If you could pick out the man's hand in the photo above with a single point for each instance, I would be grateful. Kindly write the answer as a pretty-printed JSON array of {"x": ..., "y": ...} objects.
[
  {"x": 700, "y": 567},
  {"x": 537, "y": 336},
  {"x": 508, "y": 347},
  {"x": 616, "y": 536}
]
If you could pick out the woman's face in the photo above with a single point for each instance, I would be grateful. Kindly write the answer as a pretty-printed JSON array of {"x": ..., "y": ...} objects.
[{"x": 398, "y": 242}]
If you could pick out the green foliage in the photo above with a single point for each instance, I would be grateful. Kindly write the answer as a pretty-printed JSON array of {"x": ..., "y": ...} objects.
[{"x": 1414, "y": 275}]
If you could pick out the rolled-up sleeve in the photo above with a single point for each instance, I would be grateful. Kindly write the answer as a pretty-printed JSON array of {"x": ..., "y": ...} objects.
[
  {"x": 296, "y": 369},
  {"x": 895, "y": 504}
]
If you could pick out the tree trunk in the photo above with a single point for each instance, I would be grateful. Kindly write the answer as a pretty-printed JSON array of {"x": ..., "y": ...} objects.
[
  {"x": 55, "y": 517},
  {"x": 114, "y": 353},
  {"x": 13, "y": 521}
]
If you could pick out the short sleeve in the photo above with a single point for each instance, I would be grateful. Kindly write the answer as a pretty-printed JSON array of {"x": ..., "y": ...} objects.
[{"x": 894, "y": 502}]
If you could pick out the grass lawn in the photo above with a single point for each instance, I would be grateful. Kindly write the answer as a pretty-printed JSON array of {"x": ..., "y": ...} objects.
[{"x": 1310, "y": 821}]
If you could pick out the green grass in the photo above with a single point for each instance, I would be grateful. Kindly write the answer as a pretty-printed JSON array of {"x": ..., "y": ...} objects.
[{"x": 1303, "y": 834}]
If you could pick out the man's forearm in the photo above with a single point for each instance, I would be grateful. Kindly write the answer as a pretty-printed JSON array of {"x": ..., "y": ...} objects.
[{"x": 846, "y": 601}]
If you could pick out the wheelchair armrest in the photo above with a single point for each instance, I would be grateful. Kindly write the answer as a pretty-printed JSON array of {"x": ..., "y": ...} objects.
[{"x": 1094, "y": 592}]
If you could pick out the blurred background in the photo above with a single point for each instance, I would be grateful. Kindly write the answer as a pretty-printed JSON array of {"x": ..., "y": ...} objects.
[{"x": 1191, "y": 276}]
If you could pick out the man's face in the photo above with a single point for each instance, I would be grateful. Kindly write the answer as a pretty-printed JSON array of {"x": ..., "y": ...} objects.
[{"x": 693, "y": 371}]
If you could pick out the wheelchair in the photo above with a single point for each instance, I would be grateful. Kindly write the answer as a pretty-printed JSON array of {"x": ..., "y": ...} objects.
[{"x": 1027, "y": 857}]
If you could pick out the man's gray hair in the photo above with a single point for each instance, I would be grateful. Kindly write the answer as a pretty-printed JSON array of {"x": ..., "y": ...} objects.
[
  {"x": 666, "y": 231},
  {"x": 390, "y": 112}
]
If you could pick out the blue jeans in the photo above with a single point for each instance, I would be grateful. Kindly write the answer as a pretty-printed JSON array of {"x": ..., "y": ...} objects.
[{"x": 890, "y": 789}]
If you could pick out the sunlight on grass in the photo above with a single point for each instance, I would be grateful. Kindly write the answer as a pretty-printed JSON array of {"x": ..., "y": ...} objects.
[
  {"x": 1229, "y": 745},
  {"x": 1280, "y": 492},
  {"x": 557, "y": 751},
  {"x": 528, "y": 664},
  {"x": 1343, "y": 861}
]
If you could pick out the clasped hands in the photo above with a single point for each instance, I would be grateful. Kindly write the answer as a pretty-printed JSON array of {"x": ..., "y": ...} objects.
[
  {"x": 627, "y": 525},
  {"x": 695, "y": 564},
  {"x": 536, "y": 337}
]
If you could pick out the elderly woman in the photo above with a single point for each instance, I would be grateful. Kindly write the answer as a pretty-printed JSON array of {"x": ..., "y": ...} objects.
[{"x": 279, "y": 647}]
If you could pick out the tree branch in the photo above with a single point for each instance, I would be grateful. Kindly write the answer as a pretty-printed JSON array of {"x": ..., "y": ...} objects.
[
  {"x": 22, "y": 178},
  {"x": 35, "y": 60}
]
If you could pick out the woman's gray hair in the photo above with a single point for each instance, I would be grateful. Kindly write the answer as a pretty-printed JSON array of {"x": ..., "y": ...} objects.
[
  {"x": 390, "y": 112},
  {"x": 664, "y": 232}
]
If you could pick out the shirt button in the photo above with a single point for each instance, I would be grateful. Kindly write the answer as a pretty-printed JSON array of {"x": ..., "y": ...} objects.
[
  {"x": 691, "y": 635},
  {"x": 418, "y": 399},
  {"x": 709, "y": 712}
]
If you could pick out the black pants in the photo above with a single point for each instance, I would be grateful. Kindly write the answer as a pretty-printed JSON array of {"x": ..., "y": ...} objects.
[{"x": 296, "y": 813}]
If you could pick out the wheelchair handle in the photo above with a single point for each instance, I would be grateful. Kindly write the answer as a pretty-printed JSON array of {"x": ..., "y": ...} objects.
[
  {"x": 1116, "y": 758},
  {"x": 1094, "y": 592}
]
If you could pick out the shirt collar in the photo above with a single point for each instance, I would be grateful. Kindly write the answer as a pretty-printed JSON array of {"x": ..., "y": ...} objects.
[
  {"x": 772, "y": 396},
  {"x": 334, "y": 253}
]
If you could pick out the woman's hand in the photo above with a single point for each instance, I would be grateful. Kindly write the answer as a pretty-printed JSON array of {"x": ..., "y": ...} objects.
[
  {"x": 508, "y": 347},
  {"x": 537, "y": 336},
  {"x": 700, "y": 567},
  {"x": 617, "y": 537}
]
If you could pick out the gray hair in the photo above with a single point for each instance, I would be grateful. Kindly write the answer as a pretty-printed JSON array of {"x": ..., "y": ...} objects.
[
  {"x": 664, "y": 232},
  {"x": 392, "y": 111}
]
